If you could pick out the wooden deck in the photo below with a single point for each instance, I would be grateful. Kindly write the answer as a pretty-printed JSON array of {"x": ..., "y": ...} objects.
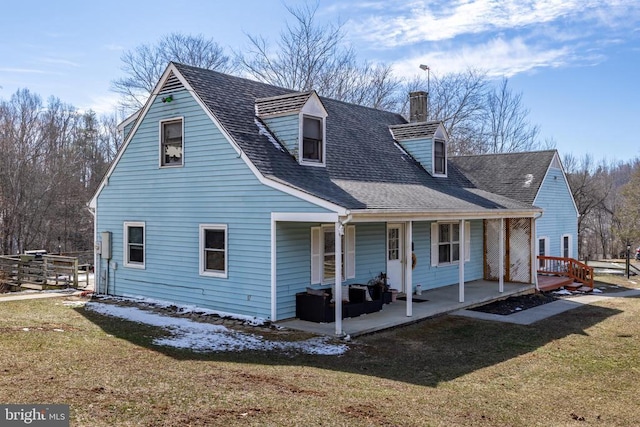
[
  {"x": 557, "y": 272},
  {"x": 551, "y": 283}
]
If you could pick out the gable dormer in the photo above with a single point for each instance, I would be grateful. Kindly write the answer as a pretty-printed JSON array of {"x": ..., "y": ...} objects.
[
  {"x": 298, "y": 120},
  {"x": 426, "y": 142}
]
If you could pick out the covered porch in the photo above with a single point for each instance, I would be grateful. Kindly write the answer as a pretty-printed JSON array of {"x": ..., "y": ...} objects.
[{"x": 431, "y": 303}]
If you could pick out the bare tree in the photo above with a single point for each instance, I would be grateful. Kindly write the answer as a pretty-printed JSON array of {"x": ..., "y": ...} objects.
[
  {"x": 628, "y": 215},
  {"x": 51, "y": 164},
  {"x": 310, "y": 56},
  {"x": 506, "y": 124},
  {"x": 144, "y": 65},
  {"x": 591, "y": 186}
]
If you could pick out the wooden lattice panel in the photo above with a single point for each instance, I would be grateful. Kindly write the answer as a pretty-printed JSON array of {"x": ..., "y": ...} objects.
[
  {"x": 519, "y": 232},
  {"x": 517, "y": 249}
]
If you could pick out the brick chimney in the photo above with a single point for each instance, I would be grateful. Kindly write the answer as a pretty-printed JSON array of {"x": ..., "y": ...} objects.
[{"x": 418, "y": 106}]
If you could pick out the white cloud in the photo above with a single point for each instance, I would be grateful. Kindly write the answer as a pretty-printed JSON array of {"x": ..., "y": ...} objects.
[
  {"x": 501, "y": 37},
  {"x": 499, "y": 57},
  {"x": 102, "y": 104},
  {"x": 59, "y": 61},
  {"x": 418, "y": 22},
  {"x": 21, "y": 70},
  {"x": 114, "y": 47}
]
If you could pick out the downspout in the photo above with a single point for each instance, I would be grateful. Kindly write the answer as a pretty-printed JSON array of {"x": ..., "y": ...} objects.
[{"x": 347, "y": 219}]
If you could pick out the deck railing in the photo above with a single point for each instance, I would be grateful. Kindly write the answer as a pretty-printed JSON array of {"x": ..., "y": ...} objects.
[
  {"x": 46, "y": 270},
  {"x": 568, "y": 267}
]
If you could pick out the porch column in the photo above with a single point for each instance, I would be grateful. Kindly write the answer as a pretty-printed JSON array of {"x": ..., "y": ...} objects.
[
  {"x": 274, "y": 274},
  {"x": 337, "y": 292},
  {"x": 461, "y": 257},
  {"x": 534, "y": 255},
  {"x": 408, "y": 271},
  {"x": 501, "y": 258}
]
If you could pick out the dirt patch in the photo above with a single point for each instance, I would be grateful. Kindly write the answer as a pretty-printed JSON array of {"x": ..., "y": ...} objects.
[{"x": 515, "y": 304}]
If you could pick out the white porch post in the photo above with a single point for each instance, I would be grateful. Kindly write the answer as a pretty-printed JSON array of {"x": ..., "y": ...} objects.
[
  {"x": 338, "y": 279},
  {"x": 461, "y": 256},
  {"x": 407, "y": 267},
  {"x": 534, "y": 255},
  {"x": 274, "y": 263},
  {"x": 501, "y": 258}
]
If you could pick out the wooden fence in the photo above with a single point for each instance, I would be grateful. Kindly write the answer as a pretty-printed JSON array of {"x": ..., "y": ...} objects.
[{"x": 45, "y": 271}]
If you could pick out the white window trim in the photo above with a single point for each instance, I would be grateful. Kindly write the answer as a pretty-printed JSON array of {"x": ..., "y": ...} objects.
[
  {"x": 570, "y": 236},
  {"x": 302, "y": 161},
  {"x": 125, "y": 252},
  {"x": 160, "y": 135},
  {"x": 207, "y": 273},
  {"x": 435, "y": 243},
  {"x": 317, "y": 254},
  {"x": 433, "y": 158}
]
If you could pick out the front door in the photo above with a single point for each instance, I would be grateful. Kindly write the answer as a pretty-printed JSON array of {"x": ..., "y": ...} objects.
[{"x": 395, "y": 256}]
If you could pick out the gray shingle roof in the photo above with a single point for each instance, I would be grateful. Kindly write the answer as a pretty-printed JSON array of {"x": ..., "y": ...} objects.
[
  {"x": 365, "y": 169},
  {"x": 514, "y": 175},
  {"x": 414, "y": 130},
  {"x": 281, "y": 104}
]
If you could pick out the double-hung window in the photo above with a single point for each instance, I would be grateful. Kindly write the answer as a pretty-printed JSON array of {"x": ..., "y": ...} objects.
[
  {"x": 134, "y": 244},
  {"x": 323, "y": 254},
  {"x": 312, "y": 140},
  {"x": 171, "y": 142},
  {"x": 446, "y": 243},
  {"x": 213, "y": 250}
]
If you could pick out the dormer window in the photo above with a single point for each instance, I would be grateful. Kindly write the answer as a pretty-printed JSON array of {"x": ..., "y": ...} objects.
[
  {"x": 439, "y": 158},
  {"x": 312, "y": 141}
]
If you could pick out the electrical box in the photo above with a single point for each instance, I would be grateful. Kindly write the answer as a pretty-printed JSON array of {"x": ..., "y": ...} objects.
[{"x": 105, "y": 253}]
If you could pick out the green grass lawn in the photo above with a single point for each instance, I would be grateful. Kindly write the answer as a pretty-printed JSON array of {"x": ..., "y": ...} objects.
[{"x": 579, "y": 368}]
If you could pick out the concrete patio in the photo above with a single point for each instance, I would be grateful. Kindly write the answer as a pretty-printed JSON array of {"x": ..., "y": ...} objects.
[{"x": 434, "y": 302}]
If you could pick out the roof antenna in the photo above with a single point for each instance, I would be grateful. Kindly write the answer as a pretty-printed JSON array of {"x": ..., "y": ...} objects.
[{"x": 427, "y": 69}]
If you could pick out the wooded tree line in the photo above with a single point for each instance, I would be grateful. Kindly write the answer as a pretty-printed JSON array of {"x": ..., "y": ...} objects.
[{"x": 54, "y": 156}]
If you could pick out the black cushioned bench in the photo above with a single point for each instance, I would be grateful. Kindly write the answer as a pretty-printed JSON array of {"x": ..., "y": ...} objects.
[{"x": 317, "y": 305}]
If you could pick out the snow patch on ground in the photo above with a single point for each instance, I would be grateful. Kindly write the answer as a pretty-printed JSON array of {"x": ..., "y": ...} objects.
[
  {"x": 205, "y": 337},
  {"x": 185, "y": 309},
  {"x": 562, "y": 292}
]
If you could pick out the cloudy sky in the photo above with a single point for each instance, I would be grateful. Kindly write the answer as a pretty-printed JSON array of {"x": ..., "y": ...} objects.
[{"x": 574, "y": 61}]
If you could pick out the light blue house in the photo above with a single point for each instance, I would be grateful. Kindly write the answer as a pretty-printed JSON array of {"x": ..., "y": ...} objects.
[
  {"x": 536, "y": 178},
  {"x": 235, "y": 195}
]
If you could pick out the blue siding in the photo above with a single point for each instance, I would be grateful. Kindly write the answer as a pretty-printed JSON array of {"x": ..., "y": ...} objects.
[
  {"x": 294, "y": 259},
  {"x": 371, "y": 251},
  {"x": 559, "y": 215},
  {"x": 287, "y": 130},
  {"x": 434, "y": 277},
  {"x": 421, "y": 150},
  {"x": 215, "y": 186},
  {"x": 293, "y": 256}
]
